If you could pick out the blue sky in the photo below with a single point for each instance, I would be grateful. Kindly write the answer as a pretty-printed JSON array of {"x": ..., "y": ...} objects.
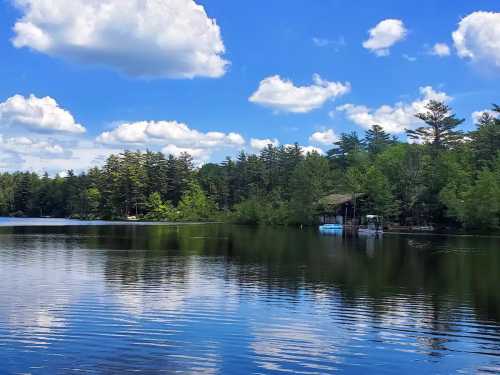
[{"x": 113, "y": 73}]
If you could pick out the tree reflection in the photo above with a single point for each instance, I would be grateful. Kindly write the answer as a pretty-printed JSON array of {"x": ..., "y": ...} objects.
[{"x": 453, "y": 270}]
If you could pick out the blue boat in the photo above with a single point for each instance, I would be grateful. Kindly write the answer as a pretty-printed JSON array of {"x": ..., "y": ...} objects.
[{"x": 329, "y": 228}]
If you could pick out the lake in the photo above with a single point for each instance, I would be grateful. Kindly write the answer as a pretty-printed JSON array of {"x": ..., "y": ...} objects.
[{"x": 223, "y": 299}]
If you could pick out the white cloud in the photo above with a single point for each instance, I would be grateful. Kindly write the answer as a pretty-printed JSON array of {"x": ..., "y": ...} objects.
[
  {"x": 476, "y": 115},
  {"x": 38, "y": 135},
  {"x": 146, "y": 38},
  {"x": 175, "y": 138},
  {"x": 310, "y": 149},
  {"x": 307, "y": 149},
  {"x": 82, "y": 156},
  {"x": 29, "y": 146},
  {"x": 396, "y": 118},
  {"x": 282, "y": 95},
  {"x": 441, "y": 50},
  {"x": 37, "y": 114},
  {"x": 40, "y": 154},
  {"x": 161, "y": 132},
  {"x": 259, "y": 144},
  {"x": 196, "y": 153},
  {"x": 327, "y": 137},
  {"x": 478, "y": 38},
  {"x": 384, "y": 35}
]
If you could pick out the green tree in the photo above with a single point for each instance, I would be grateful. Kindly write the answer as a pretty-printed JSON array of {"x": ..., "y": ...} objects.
[
  {"x": 179, "y": 176},
  {"x": 92, "y": 199},
  {"x": 483, "y": 201},
  {"x": 24, "y": 194},
  {"x": 377, "y": 140},
  {"x": 195, "y": 205},
  {"x": 349, "y": 151},
  {"x": 310, "y": 180},
  {"x": 155, "y": 171},
  {"x": 159, "y": 210},
  {"x": 440, "y": 130},
  {"x": 249, "y": 211},
  {"x": 403, "y": 165},
  {"x": 486, "y": 138},
  {"x": 379, "y": 197}
]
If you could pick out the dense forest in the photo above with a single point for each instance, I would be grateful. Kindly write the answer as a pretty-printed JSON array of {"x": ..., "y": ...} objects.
[{"x": 444, "y": 177}]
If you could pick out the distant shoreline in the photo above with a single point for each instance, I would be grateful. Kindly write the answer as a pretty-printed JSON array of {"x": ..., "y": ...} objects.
[
  {"x": 11, "y": 221},
  {"x": 38, "y": 221}
]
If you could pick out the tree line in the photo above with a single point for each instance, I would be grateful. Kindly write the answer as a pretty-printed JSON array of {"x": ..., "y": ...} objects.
[{"x": 443, "y": 177}]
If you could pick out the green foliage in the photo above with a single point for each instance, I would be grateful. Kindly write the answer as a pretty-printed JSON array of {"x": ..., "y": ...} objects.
[
  {"x": 261, "y": 211},
  {"x": 403, "y": 165},
  {"x": 310, "y": 180},
  {"x": 89, "y": 203},
  {"x": 195, "y": 205},
  {"x": 441, "y": 123},
  {"x": 477, "y": 205},
  {"x": 158, "y": 210},
  {"x": 483, "y": 203},
  {"x": 455, "y": 198},
  {"x": 349, "y": 150},
  {"x": 247, "y": 212},
  {"x": 379, "y": 197},
  {"x": 486, "y": 138},
  {"x": 443, "y": 179},
  {"x": 377, "y": 140}
]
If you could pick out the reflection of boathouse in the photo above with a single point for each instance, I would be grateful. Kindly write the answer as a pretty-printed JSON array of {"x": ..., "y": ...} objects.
[{"x": 339, "y": 209}]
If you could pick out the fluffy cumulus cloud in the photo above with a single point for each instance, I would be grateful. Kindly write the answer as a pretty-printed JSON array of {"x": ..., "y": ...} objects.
[
  {"x": 326, "y": 137},
  {"x": 147, "y": 38},
  {"x": 176, "y": 138},
  {"x": 393, "y": 118},
  {"x": 259, "y": 144},
  {"x": 37, "y": 114},
  {"x": 441, "y": 50},
  {"x": 36, "y": 134},
  {"x": 478, "y": 38},
  {"x": 29, "y": 146},
  {"x": 384, "y": 35},
  {"x": 282, "y": 95},
  {"x": 79, "y": 157},
  {"x": 174, "y": 132},
  {"x": 41, "y": 153}
]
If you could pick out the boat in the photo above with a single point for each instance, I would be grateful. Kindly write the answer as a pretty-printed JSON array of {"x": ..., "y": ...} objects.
[
  {"x": 373, "y": 225},
  {"x": 331, "y": 228}
]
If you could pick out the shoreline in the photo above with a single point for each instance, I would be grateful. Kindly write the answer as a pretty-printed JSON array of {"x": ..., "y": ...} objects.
[{"x": 17, "y": 222}]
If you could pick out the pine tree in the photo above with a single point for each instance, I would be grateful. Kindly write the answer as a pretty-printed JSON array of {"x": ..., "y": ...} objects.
[
  {"x": 349, "y": 146},
  {"x": 440, "y": 131},
  {"x": 23, "y": 194},
  {"x": 486, "y": 138},
  {"x": 377, "y": 140}
]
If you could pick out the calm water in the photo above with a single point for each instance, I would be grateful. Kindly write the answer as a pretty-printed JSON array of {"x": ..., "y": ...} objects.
[{"x": 237, "y": 300}]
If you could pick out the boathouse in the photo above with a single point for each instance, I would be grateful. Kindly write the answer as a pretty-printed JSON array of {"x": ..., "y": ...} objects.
[{"x": 339, "y": 209}]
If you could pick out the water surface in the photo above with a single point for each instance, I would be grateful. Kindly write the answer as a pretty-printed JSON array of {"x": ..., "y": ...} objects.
[{"x": 221, "y": 299}]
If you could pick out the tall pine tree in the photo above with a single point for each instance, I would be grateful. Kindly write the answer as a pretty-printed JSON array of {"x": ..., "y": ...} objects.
[{"x": 440, "y": 130}]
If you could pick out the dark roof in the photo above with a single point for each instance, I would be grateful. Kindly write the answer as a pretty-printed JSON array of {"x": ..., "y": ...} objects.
[{"x": 333, "y": 201}]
